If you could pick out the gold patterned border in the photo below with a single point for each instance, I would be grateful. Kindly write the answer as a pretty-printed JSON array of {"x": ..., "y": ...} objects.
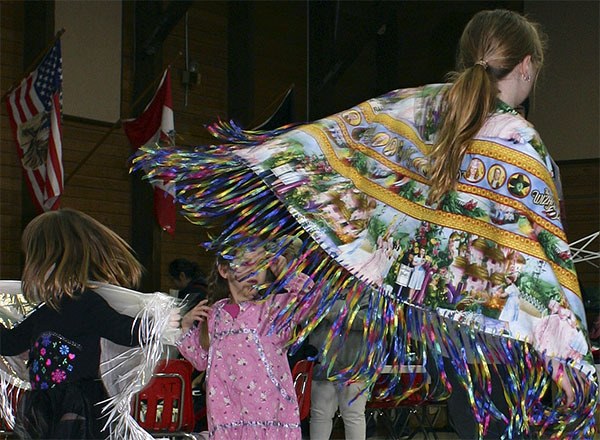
[
  {"x": 377, "y": 156},
  {"x": 516, "y": 158},
  {"x": 462, "y": 187},
  {"x": 523, "y": 244},
  {"x": 485, "y": 148},
  {"x": 395, "y": 125}
]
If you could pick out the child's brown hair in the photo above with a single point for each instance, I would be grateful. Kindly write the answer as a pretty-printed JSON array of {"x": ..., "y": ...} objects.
[
  {"x": 492, "y": 44},
  {"x": 66, "y": 251}
]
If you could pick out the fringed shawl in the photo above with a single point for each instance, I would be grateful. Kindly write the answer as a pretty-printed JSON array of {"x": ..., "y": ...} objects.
[{"x": 484, "y": 277}]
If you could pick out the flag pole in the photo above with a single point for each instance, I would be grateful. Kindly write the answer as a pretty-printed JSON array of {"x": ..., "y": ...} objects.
[
  {"x": 117, "y": 123},
  {"x": 277, "y": 102},
  {"x": 34, "y": 63}
]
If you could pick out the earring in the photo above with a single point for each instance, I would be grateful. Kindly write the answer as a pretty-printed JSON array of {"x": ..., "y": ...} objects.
[{"x": 526, "y": 77}]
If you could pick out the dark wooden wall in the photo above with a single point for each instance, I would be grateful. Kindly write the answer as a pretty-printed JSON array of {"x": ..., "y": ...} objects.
[
  {"x": 581, "y": 188},
  {"x": 11, "y": 61},
  {"x": 249, "y": 53}
]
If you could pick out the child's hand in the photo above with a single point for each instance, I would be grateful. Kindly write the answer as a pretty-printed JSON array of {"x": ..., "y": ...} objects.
[
  {"x": 300, "y": 282},
  {"x": 174, "y": 318},
  {"x": 199, "y": 313},
  {"x": 277, "y": 265}
]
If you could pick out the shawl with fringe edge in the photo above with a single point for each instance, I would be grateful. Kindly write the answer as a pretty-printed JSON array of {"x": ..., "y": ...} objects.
[
  {"x": 125, "y": 370},
  {"x": 483, "y": 278}
]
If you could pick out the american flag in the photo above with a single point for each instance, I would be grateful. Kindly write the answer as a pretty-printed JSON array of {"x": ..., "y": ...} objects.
[{"x": 35, "y": 109}]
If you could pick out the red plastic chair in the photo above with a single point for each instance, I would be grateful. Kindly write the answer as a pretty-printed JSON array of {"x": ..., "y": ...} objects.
[
  {"x": 165, "y": 405},
  {"x": 302, "y": 375},
  {"x": 410, "y": 407}
]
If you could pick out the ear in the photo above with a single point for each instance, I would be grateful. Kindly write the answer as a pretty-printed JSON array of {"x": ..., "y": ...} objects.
[
  {"x": 223, "y": 270},
  {"x": 278, "y": 264},
  {"x": 182, "y": 276},
  {"x": 525, "y": 66}
]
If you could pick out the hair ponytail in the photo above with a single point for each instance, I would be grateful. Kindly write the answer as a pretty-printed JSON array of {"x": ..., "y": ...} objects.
[
  {"x": 491, "y": 45},
  {"x": 469, "y": 101}
]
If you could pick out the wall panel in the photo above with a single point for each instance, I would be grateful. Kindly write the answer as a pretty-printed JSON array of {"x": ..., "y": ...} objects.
[{"x": 11, "y": 39}]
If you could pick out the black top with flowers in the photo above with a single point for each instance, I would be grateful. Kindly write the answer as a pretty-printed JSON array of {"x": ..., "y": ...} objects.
[{"x": 64, "y": 345}]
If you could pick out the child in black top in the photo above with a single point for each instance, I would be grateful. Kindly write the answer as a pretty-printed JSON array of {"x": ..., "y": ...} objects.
[{"x": 64, "y": 250}]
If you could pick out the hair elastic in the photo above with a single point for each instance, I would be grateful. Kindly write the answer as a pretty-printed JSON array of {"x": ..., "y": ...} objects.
[{"x": 483, "y": 63}]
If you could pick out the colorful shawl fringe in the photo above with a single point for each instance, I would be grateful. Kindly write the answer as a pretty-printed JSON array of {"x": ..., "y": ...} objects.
[{"x": 479, "y": 279}]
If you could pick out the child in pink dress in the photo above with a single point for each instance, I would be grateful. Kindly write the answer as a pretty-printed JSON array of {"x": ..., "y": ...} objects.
[{"x": 249, "y": 386}]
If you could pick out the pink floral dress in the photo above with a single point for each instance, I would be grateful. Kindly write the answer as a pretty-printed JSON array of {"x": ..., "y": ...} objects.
[{"x": 249, "y": 387}]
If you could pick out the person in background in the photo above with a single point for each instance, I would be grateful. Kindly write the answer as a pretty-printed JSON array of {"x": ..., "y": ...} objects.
[
  {"x": 305, "y": 350},
  {"x": 191, "y": 283},
  {"x": 328, "y": 394},
  {"x": 189, "y": 279}
]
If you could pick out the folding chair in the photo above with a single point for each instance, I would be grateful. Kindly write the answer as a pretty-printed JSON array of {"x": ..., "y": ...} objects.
[
  {"x": 302, "y": 375},
  {"x": 164, "y": 407},
  {"x": 398, "y": 414}
]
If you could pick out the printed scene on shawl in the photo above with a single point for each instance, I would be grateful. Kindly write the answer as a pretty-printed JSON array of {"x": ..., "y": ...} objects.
[
  {"x": 483, "y": 277},
  {"x": 493, "y": 253}
]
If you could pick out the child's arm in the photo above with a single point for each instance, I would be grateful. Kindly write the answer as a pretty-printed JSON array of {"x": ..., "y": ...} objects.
[
  {"x": 16, "y": 340},
  {"x": 190, "y": 348},
  {"x": 194, "y": 343}
]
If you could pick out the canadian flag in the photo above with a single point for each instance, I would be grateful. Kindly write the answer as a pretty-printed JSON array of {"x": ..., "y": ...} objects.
[{"x": 156, "y": 126}]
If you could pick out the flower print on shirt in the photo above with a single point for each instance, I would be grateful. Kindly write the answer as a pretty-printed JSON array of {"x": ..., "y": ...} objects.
[
  {"x": 52, "y": 357},
  {"x": 58, "y": 376},
  {"x": 247, "y": 370}
]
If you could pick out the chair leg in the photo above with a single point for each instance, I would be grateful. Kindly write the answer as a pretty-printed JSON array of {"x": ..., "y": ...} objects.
[
  {"x": 405, "y": 431},
  {"x": 370, "y": 415},
  {"x": 426, "y": 423},
  {"x": 175, "y": 436},
  {"x": 190, "y": 436},
  {"x": 431, "y": 419},
  {"x": 389, "y": 423}
]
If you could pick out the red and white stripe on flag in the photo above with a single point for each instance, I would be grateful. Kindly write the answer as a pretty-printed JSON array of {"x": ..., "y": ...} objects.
[
  {"x": 156, "y": 126},
  {"x": 34, "y": 110}
]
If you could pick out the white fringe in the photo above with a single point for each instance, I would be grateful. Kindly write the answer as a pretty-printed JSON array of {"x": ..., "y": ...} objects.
[
  {"x": 14, "y": 376},
  {"x": 124, "y": 370}
]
